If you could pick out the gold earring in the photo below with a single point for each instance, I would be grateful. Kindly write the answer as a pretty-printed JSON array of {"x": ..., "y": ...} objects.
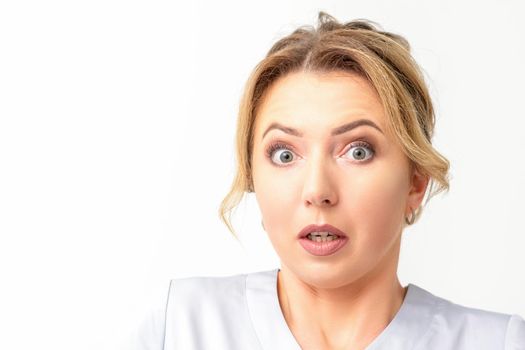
[{"x": 412, "y": 218}]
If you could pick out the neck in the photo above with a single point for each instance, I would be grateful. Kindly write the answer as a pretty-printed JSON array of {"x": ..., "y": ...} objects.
[{"x": 348, "y": 316}]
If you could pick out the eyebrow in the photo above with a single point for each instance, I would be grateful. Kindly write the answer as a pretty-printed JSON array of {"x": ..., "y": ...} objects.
[{"x": 337, "y": 131}]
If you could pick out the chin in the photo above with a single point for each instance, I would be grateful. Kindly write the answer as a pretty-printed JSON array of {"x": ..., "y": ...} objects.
[{"x": 324, "y": 276}]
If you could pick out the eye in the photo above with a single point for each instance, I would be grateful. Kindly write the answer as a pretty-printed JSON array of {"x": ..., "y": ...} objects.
[
  {"x": 280, "y": 153},
  {"x": 361, "y": 151}
]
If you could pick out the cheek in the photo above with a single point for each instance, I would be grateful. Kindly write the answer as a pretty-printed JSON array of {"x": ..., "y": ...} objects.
[
  {"x": 379, "y": 204},
  {"x": 276, "y": 197}
]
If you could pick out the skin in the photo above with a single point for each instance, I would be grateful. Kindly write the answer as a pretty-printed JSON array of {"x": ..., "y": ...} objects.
[{"x": 345, "y": 300}]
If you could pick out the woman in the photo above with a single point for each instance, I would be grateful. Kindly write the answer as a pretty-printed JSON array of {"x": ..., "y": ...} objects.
[{"x": 334, "y": 138}]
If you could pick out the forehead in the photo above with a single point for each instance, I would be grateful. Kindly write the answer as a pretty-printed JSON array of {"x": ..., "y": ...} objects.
[{"x": 315, "y": 101}]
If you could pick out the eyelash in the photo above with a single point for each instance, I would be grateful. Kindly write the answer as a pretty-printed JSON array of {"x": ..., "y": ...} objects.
[
  {"x": 280, "y": 145},
  {"x": 276, "y": 146}
]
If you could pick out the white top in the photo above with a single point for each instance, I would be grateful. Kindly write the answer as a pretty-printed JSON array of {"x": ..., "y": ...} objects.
[{"x": 242, "y": 312}]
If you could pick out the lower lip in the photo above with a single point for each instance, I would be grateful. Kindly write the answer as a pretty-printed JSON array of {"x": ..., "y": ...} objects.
[{"x": 323, "y": 248}]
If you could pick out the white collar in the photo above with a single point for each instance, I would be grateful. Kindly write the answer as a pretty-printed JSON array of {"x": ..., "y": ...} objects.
[{"x": 406, "y": 328}]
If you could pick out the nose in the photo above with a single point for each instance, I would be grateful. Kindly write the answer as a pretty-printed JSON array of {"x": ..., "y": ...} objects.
[{"x": 319, "y": 187}]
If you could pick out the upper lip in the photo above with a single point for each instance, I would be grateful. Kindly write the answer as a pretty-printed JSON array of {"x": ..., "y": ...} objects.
[{"x": 320, "y": 228}]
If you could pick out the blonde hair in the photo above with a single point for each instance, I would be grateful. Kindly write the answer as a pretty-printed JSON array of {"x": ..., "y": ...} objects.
[{"x": 358, "y": 46}]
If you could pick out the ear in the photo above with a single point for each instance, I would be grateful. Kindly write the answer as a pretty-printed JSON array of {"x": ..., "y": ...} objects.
[{"x": 419, "y": 183}]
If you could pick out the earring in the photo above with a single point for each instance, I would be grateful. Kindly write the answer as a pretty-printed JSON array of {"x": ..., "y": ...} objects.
[
  {"x": 412, "y": 218},
  {"x": 262, "y": 223}
]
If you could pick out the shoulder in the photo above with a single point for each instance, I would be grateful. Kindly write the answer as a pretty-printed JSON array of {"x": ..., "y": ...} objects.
[
  {"x": 207, "y": 287},
  {"x": 218, "y": 294},
  {"x": 148, "y": 330},
  {"x": 463, "y": 327},
  {"x": 181, "y": 301}
]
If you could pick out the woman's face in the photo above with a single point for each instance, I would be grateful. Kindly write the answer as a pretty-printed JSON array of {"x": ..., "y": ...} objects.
[{"x": 307, "y": 171}]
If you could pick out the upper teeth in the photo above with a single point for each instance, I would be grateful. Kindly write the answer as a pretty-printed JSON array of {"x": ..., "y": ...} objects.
[{"x": 322, "y": 234}]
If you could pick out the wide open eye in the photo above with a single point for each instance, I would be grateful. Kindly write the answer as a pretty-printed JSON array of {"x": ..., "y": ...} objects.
[
  {"x": 360, "y": 151},
  {"x": 280, "y": 153}
]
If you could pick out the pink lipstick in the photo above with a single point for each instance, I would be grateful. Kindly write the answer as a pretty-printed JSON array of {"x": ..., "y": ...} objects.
[{"x": 322, "y": 240}]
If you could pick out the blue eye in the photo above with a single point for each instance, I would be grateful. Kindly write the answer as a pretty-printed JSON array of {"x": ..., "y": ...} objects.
[
  {"x": 280, "y": 153},
  {"x": 361, "y": 151}
]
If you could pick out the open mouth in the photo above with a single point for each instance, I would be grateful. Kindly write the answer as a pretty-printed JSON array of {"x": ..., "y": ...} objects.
[
  {"x": 321, "y": 236},
  {"x": 322, "y": 246}
]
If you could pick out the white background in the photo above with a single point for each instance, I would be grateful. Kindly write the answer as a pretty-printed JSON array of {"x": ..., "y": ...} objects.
[{"x": 117, "y": 122}]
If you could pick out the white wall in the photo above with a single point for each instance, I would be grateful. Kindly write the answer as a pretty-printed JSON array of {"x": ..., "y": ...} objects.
[{"x": 116, "y": 146}]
